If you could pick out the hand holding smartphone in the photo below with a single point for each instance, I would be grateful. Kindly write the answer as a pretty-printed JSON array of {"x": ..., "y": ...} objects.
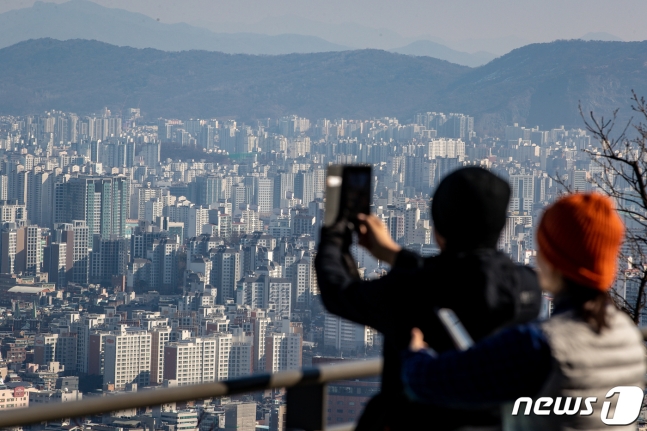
[{"x": 348, "y": 193}]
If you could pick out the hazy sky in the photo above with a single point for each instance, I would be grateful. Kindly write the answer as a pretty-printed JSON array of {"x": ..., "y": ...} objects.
[{"x": 534, "y": 20}]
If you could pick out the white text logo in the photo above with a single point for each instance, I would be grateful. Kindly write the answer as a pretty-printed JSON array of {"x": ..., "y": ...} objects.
[{"x": 627, "y": 407}]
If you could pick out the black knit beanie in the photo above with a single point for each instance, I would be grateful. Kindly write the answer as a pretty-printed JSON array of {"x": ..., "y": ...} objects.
[{"x": 469, "y": 209}]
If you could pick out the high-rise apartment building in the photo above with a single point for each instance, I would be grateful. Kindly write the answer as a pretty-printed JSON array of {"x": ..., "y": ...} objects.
[
  {"x": 33, "y": 249},
  {"x": 579, "y": 180},
  {"x": 252, "y": 291},
  {"x": 96, "y": 352},
  {"x": 190, "y": 361},
  {"x": 260, "y": 324},
  {"x": 55, "y": 263},
  {"x": 411, "y": 219},
  {"x": 163, "y": 254},
  {"x": 160, "y": 337},
  {"x": 523, "y": 193},
  {"x": 4, "y": 188},
  {"x": 40, "y": 198},
  {"x": 198, "y": 217},
  {"x": 128, "y": 358},
  {"x": 59, "y": 348},
  {"x": 109, "y": 258},
  {"x": 78, "y": 234},
  {"x": 12, "y": 212},
  {"x": 209, "y": 189},
  {"x": 304, "y": 282},
  {"x": 224, "y": 342},
  {"x": 139, "y": 199},
  {"x": 226, "y": 271},
  {"x": 150, "y": 154},
  {"x": 346, "y": 336},
  {"x": 12, "y": 241},
  {"x": 263, "y": 291},
  {"x": 283, "y": 183},
  {"x": 82, "y": 328},
  {"x": 304, "y": 186},
  {"x": 240, "y": 417},
  {"x": 265, "y": 195},
  {"x": 442, "y": 148},
  {"x": 283, "y": 351},
  {"x": 241, "y": 355},
  {"x": 279, "y": 297},
  {"x": 102, "y": 202}
]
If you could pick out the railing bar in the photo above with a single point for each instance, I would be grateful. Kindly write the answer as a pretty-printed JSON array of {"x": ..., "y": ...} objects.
[
  {"x": 352, "y": 370},
  {"x": 343, "y": 427},
  {"x": 94, "y": 406},
  {"x": 285, "y": 379},
  {"x": 247, "y": 384}
]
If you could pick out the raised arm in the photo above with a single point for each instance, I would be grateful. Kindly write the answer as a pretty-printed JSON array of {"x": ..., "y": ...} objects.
[{"x": 343, "y": 293}]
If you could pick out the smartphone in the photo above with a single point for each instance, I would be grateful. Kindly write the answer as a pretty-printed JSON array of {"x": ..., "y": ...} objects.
[
  {"x": 348, "y": 192},
  {"x": 355, "y": 191},
  {"x": 455, "y": 327}
]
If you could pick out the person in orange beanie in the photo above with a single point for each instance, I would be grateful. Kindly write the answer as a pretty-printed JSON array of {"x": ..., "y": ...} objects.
[{"x": 556, "y": 374}]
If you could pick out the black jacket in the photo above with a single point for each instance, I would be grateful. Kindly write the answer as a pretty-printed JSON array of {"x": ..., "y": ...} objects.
[{"x": 486, "y": 290}]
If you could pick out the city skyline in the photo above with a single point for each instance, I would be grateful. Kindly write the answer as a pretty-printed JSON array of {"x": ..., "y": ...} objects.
[
  {"x": 155, "y": 270},
  {"x": 176, "y": 208}
]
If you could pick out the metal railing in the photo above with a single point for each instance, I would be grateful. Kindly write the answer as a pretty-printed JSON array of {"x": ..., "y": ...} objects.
[{"x": 306, "y": 396}]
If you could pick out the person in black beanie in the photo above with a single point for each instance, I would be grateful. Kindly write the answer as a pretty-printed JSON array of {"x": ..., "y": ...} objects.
[{"x": 485, "y": 289}]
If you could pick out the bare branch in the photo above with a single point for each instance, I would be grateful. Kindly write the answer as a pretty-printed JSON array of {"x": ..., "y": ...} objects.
[{"x": 622, "y": 161}]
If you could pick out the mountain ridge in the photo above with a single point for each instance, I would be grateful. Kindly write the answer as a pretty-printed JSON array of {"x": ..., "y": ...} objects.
[
  {"x": 437, "y": 50},
  {"x": 83, "y": 19},
  {"x": 539, "y": 84},
  {"x": 544, "y": 83},
  {"x": 83, "y": 75}
]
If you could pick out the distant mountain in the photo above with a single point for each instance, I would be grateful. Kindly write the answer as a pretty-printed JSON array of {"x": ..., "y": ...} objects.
[
  {"x": 539, "y": 84},
  {"x": 542, "y": 84},
  {"x": 498, "y": 45},
  {"x": 348, "y": 34},
  {"x": 436, "y": 50},
  {"x": 81, "y": 19},
  {"x": 358, "y": 36},
  {"x": 606, "y": 37},
  {"x": 83, "y": 76}
]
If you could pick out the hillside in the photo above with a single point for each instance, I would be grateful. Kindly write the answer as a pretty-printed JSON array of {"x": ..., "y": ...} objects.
[
  {"x": 542, "y": 84},
  {"x": 538, "y": 84},
  {"x": 83, "y": 76}
]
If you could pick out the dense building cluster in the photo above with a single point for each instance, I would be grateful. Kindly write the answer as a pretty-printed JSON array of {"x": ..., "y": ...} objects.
[{"x": 144, "y": 254}]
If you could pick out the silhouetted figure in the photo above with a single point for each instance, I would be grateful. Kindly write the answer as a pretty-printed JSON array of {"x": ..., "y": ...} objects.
[
  {"x": 586, "y": 348},
  {"x": 483, "y": 286}
]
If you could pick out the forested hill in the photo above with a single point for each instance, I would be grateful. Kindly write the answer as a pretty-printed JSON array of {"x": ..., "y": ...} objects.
[{"x": 539, "y": 84}]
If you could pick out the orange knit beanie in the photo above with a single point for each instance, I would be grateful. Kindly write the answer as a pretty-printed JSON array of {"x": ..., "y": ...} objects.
[{"x": 580, "y": 235}]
